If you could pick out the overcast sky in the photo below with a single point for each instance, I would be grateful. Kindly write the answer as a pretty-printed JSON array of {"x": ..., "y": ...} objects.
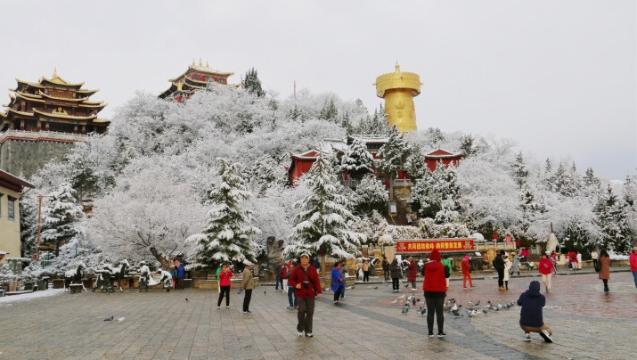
[{"x": 556, "y": 76}]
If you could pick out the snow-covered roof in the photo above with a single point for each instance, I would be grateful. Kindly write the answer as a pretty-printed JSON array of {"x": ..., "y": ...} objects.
[
  {"x": 13, "y": 182},
  {"x": 442, "y": 153},
  {"x": 366, "y": 139}
]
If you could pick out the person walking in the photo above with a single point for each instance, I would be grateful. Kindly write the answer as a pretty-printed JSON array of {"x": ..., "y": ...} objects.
[
  {"x": 365, "y": 271},
  {"x": 604, "y": 273},
  {"x": 247, "y": 284},
  {"x": 498, "y": 264},
  {"x": 344, "y": 276},
  {"x": 447, "y": 262},
  {"x": 277, "y": 271},
  {"x": 531, "y": 319},
  {"x": 395, "y": 275},
  {"x": 507, "y": 271},
  {"x": 284, "y": 276},
  {"x": 545, "y": 268},
  {"x": 466, "y": 272},
  {"x": 633, "y": 264},
  {"x": 224, "y": 283},
  {"x": 579, "y": 260},
  {"x": 292, "y": 300},
  {"x": 435, "y": 291},
  {"x": 307, "y": 286},
  {"x": 594, "y": 257},
  {"x": 412, "y": 272},
  {"x": 180, "y": 272},
  {"x": 516, "y": 264},
  {"x": 337, "y": 284},
  {"x": 385, "y": 268}
]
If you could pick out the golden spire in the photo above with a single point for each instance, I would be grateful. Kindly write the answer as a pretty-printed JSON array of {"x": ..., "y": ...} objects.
[
  {"x": 193, "y": 62},
  {"x": 55, "y": 72},
  {"x": 207, "y": 66},
  {"x": 200, "y": 64},
  {"x": 397, "y": 66}
]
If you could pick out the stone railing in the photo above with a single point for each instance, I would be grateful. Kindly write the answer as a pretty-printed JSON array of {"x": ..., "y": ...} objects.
[{"x": 35, "y": 135}]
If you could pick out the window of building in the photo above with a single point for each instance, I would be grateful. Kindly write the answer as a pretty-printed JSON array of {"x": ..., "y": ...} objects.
[{"x": 11, "y": 208}]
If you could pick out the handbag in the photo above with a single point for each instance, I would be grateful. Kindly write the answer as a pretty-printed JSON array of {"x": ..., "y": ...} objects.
[{"x": 598, "y": 266}]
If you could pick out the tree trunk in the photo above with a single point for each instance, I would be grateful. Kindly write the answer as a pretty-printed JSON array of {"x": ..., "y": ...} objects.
[{"x": 165, "y": 263}]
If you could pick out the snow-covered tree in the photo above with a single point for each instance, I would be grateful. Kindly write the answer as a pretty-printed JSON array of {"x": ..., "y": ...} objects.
[
  {"x": 146, "y": 216},
  {"x": 615, "y": 232},
  {"x": 226, "y": 235},
  {"x": 252, "y": 83},
  {"x": 357, "y": 161},
  {"x": 519, "y": 171},
  {"x": 415, "y": 163},
  {"x": 435, "y": 187},
  {"x": 392, "y": 155},
  {"x": 322, "y": 225},
  {"x": 60, "y": 216},
  {"x": 370, "y": 195}
]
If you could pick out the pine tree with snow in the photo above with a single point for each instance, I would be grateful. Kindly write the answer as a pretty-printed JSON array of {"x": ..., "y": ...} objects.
[
  {"x": 226, "y": 235},
  {"x": 612, "y": 223},
  {"x": 59, "y": 223},
  {"x": 392, "y": 155},
  {"x": 429, "y": 192},
  {"x": 357, "y": 161},
  {"x": 322, "y": 225},
  {"x": 519, "y": 171},
  {"x": 329, "y": 112},
  {"x": 415, "y": 163},
  {"x": 370, "y": 195},
  {"x": 252, "y": 83},
  {"x": 28, "y": 223}
]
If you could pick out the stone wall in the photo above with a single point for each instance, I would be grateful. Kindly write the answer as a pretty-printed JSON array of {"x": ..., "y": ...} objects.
[{"x": 24, "y": 158}]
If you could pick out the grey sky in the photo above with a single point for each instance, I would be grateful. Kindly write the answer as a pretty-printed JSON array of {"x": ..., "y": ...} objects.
[{"x": 557, "y": 76}]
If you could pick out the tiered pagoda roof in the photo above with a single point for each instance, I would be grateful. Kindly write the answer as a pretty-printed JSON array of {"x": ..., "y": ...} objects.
[
  {"x": 53, "y": 104},
  {"x": 196, "y": 77}
]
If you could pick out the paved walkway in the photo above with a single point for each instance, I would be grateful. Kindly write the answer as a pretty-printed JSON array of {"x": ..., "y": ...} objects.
[{"x": 587, "y": 324}]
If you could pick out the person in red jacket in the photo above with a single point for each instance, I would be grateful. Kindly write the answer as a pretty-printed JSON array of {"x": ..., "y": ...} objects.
[
  {"x": 546, "y": 270},
  {"x": 307, "y": 286},
  {"x": 466, "y": 272},
  {"x": 435, "y": 288},
  {"x": 224, "y": 282}
]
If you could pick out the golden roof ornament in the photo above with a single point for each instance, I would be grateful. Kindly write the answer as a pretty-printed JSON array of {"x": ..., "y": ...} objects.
[
  {"x": 207, "y": 65},
  {"x": 200, "y": 64}
]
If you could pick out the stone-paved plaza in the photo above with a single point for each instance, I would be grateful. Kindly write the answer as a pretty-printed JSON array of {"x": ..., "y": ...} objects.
[{"x": 368, "y": 324}]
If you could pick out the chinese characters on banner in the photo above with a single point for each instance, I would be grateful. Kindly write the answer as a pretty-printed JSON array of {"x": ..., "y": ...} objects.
[{"x": 442, "y": 245}]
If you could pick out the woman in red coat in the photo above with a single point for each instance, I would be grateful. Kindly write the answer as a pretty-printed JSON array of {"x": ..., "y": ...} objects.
[
  {"x": 435, "y": 288},
  {"x": 466, "y": 272},
  {"x": 224, "y": 282},
  {"x": 546, "y": 270}
]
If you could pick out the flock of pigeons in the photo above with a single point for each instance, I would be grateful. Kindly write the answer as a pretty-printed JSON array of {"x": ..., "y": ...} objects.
[{"x": 452, "y": 307}]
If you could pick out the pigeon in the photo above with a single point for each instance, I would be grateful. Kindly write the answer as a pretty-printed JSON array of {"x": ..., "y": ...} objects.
[
  {"x": 405, "y": 309},
  {"x": 375, "y": 287},
  {"x": 413, "y": 300},
  {"x": 369, "y": 287},
  {"x": 186, "y": 299},
  {"x": 110, "y": 318},
  {"x": 265, "y": 292},
  {"x": 485, "y": 310},
  {"x": 349, "y": 287},
  {"x": 402, "y": 296},
  {"x": 473, "y": 313},
  {"x": 422, "y": 310},
  {"x": 121, "y": 319},
  {"x": 477, "y": 303},
  {"x": 452, "y": 300},
  {"x": 395, "y": 301},
  {"x": 407, "y": 304}
]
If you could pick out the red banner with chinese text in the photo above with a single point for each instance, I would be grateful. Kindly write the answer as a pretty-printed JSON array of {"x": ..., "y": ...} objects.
[{"x": 443, "y": 245}]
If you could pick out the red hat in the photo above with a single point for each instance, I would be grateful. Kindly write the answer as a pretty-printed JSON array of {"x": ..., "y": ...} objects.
[{"x": 435, "y": 255}]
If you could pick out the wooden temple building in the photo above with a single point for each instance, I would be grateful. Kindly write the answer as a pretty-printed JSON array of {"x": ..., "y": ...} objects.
[
  {"x": 196, "y": 77},
  {"x": 43, "y": 119}
]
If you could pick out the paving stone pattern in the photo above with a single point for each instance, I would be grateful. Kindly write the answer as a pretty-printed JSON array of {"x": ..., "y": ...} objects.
[{"x": 587, "y": 324}]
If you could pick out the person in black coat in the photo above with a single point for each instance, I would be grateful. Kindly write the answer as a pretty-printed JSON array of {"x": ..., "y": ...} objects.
[
  {"x": 498, "y": 264},
  {"x": 395, "y": 270},
  {"x": 531, "y": 319}
]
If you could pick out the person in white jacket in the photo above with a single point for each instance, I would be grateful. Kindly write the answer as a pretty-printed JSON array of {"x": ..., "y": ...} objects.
[{"x": 507, "y": 270}]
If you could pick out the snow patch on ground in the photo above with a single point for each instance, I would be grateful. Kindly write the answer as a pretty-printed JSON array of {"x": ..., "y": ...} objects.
[{"x": 30, "y": 296}]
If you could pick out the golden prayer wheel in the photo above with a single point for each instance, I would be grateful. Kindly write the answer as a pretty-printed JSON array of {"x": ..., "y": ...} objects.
[{"x": 399, "y": 89}]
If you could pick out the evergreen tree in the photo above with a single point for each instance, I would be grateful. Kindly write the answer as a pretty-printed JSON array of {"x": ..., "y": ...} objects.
[
  {"x": 329, "y": 111},
  {"x": 562, "y": 182},
  {"x": 391, "y": 156},
  {"x": 429, "y": 192},
  {"x": 435, "y": 136},
  {"x": 415, "y": 163},
  {"x": 357, "y": 161},
  {"x": 28, "y": 224},
  {"x": 59, "y": 223},
  {"x": 466, "y": 145},
  {"x": 370, "y": 195},
  {"x": 226, "y": 235},
  {"x": 252, "y": 83},
  {"x": 322, "y": 225},
  {"x": 520, "y": 173},
  {"x": 612, "y": 223}
]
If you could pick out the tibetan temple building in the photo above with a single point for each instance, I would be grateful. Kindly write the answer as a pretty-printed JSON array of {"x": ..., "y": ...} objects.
[
  {"x": 195, "y": 78},
  {"x": 43, "y": 119}
]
